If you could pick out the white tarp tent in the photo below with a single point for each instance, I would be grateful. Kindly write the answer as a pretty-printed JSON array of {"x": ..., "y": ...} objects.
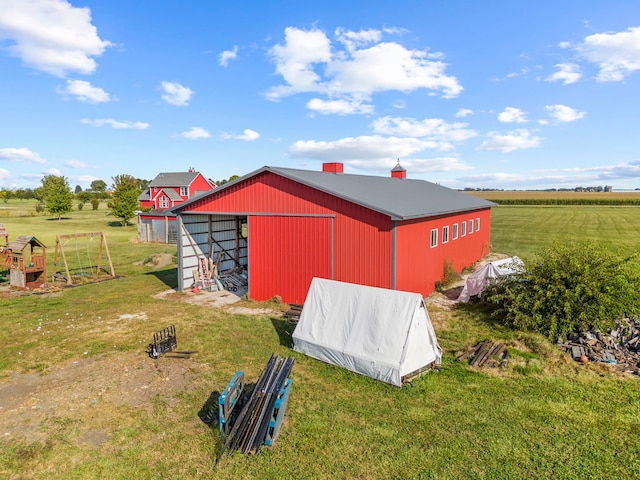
[
  {"x": 478, "y": 280},
  {"x": 384, "y": 334}
]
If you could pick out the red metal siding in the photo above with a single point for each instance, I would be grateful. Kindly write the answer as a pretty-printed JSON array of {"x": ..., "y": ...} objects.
[
  {"x": 418, "y": 266},
  {"x": 361, "y": 237},
  {"x": 285, "y": 253}
]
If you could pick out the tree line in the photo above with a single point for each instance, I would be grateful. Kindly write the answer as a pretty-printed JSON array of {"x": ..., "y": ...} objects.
[{"x": 55, "y": 196}]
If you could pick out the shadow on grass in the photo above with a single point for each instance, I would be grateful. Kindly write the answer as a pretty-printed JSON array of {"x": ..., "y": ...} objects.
[
  {"x": 168, "y": 276},
  {"x": 284, "y": 330},
  {"x": 209, "y": 411}
]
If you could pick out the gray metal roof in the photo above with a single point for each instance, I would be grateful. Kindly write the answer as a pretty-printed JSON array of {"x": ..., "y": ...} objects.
[
  {"x": 173, "y": 179},
  {"x": 400, "y": 198},
  {"x": 146, "y": 195},
  {"x": 171, "y": 194}
]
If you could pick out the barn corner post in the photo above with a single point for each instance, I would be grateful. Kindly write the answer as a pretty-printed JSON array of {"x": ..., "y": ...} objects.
[{"x": 179, "y": 240}]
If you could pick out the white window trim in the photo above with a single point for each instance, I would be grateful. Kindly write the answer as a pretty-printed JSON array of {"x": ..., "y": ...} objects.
[
  {"x": 434, "y": 238},
  {"x": 163, "y": 202},
  {"x": 454, "y": 232},
  {"x": 463, "y": 229},
  {"x": 477, "y": 229},
  {"x": 184, "y": 191},
  {"x": 445, "y": 234},
  {"x": 470, "y": 227}
]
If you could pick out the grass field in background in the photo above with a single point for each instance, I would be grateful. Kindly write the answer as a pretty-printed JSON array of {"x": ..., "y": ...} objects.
[{"x": 542, "y": 417}]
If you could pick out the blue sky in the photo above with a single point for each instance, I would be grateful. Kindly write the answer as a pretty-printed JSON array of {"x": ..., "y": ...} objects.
[{"x": 495, "y": 94}]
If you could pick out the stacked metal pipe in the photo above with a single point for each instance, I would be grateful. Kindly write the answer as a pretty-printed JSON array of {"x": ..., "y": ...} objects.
[{"x": 250, "y": 428}]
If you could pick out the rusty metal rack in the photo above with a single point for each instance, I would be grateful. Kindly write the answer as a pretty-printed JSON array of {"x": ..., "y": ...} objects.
[
  {"x": 164, "y": 341},
  {"x": 260, "y": 413}
]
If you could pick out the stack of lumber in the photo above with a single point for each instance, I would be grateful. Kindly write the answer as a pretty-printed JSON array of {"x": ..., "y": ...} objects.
[
  {"x": 293, "y": 314},
  {"x": 251, "y": 427},
  {"x": 233, "y": 280},
  {"x": 619, "y": 348},
  {"x": 486, "y": 354}
]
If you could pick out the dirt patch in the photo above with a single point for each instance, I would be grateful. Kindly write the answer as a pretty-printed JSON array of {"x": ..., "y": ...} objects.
[
  {"x": 87, "y": 389},
  {"x": 231, "y": 302},
  {"x": 158, "y": 260}
]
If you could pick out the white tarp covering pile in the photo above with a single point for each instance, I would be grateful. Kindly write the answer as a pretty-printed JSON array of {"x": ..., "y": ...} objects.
[
  {"x": 478, "y": 280},
  {"x": 384, "y": 334}
]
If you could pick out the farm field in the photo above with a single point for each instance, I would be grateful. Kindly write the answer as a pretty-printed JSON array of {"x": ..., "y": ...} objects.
[{"x": 80, "y": 398}]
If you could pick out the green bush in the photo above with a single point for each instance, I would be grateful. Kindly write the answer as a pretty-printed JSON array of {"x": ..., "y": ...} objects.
[{"x": 569, "y": 288}]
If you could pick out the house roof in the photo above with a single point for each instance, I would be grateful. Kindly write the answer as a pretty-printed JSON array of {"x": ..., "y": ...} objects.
[
  {"x": 144, "y": 196},
  {"x": 174, "y": 179},
  {"x": 400, "y": 198},
  {"x": 171, "y": 194}
]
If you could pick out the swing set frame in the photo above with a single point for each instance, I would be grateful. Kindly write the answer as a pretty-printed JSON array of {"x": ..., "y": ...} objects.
[{"x": 72, "y": 276}]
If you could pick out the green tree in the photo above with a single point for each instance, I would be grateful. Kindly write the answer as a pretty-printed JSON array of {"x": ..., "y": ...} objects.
[
  {"x": 569, "y": 288},
  {"x": 98, "y": 186},
  {"x": 124, "y": 199},
  {"x": 95, "y": 203},
  {"x": 78, "y": 189},
  {"x": 56, "y": 195}
]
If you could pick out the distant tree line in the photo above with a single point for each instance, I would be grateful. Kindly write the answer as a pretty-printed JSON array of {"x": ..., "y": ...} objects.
[
  {"x": 55, "y": 196},
  {"x": 599, "y": 188}
]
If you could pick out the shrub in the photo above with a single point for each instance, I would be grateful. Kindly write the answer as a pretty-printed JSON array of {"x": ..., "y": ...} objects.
[
  {"x": 40, "y": 207},
  {"x": 95, "y": 202},
  {"x": 450, "y": 275},
  {"x": 80, "y": 206},
  {"x": 569, "y": 288}
]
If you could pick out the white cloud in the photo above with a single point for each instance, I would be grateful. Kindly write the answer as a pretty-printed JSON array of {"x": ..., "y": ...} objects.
[
  {"x": 432, "y": 128},
  {"x": 99, "y": 122},
  {"x": 351, "y": 40},
  {"x": 176, "y": 94},
  {"x": 566, "y": 177},
  {"x": 309, "y": 62},
  {"x": 195, "y": 133},
  {"x": 75, "y": 164},
  {"x": 5, "y": 174},
  {"x": 567, "y": 73},
  {"x": 248, "y": 135},
  {"x": 512, "y": 115},
  {"x": 463, "y": 112},
  {"x": 360, "y": 148},
  {"x": 413, "y": 165},
  {"x": 340, "y": 107},
  {"x": 20, "y": 155},
  {"x": 516, "y": 140},
  {"x": 227, "y": 55},
  {"x": 52, "y": 171},
  {"x": 51, "y": 35},
  {"x": 616, "y": 54},
  {"x": 564, "y": 114},
  {"x": 84, "y": 92}
]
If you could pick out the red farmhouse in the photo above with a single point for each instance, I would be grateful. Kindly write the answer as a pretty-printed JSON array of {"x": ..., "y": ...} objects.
[
  {"x": 165, "y": 192},
  {"x": 170, "y": 189},
  {"x": 287, "y": 226}
]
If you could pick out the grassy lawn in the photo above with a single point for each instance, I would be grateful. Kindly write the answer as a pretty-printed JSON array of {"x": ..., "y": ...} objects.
[{"x": 93, "y": 405}]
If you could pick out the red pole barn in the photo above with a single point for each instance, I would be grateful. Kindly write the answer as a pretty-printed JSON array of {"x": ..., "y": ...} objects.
[{"x": 286, "y": 226}]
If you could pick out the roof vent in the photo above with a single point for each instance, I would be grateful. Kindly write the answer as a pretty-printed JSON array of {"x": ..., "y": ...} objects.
[
  {"x": 398, "y": 171},
  {"x": 333, "y": 167}
]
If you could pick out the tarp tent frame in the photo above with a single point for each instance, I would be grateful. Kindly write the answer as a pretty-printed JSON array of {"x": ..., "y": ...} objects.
[{"x": 384, "y": 334}]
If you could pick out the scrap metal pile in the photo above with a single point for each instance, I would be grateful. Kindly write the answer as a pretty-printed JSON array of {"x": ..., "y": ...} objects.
[
  {"x": 619, "y": 348},
  {"x": 262, "y": 412}
]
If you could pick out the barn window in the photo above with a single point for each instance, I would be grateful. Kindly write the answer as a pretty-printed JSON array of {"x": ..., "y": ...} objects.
[
  {"x": 470, "y": 227},
  {"x": 434, "y": 237},
  {"x": 463, "y": 229},
  {"x": 454, "y": 232},
  {"x": 164, "y": 202},
  {"x": 184, "y": 191},
  {"x": 478, "y": 224},
  {"x": 445, "y": 234}
]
